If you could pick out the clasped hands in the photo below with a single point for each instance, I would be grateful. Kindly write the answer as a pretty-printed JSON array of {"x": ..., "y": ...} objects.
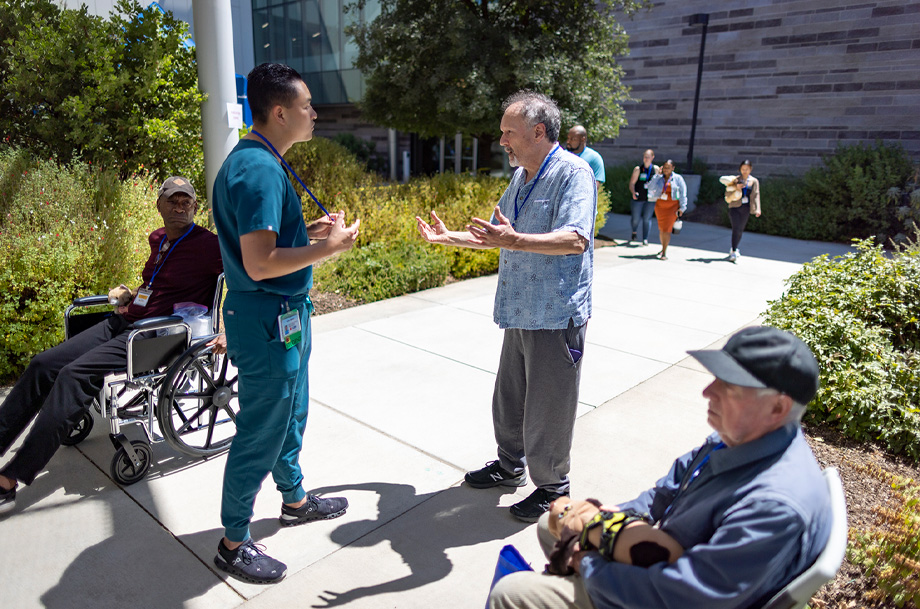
[
  {"x": 639, "y": 543},
  {"x": 332, "y": 227}
]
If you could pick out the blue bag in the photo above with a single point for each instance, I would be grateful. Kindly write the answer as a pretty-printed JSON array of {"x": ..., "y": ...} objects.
[{"x": 509, "y": 561}]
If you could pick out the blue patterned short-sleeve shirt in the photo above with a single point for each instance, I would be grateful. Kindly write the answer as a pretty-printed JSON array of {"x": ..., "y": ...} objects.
[{"x": 540, "y": 291}]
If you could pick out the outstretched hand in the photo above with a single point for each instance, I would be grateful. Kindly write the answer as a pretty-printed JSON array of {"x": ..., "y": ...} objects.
[
  {"x": 494, "y": 235},
  {"x": 436, "y": 232}
]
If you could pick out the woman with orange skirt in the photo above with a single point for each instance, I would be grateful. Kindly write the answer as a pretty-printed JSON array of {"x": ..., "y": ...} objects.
[{"x": 670, "y": 192}]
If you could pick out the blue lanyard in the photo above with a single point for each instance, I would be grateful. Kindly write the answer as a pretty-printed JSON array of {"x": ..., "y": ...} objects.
[
  {"x": 693, "y": 475},
  {"x": 293, "y": 173},
  {"x": 157, "y": 267},
  {"x": 532, "y": 186},
  {"x": 745, "y": 190},
  {"x": 698, "y": 468}
]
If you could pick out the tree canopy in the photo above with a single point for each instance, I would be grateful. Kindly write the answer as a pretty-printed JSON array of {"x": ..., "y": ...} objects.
[
  {"x": 119, "y": 92},
  {"x": 437, "y": 67}
]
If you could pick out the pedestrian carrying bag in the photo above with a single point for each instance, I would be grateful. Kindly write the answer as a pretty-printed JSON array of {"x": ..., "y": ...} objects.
[{"x": 509, "y": 561}]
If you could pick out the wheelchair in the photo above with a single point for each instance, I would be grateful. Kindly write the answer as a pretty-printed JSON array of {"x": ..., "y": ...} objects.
[{"x": 174, "y": 387}]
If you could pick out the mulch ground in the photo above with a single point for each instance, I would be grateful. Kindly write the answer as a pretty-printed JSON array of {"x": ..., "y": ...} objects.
[{"x": 864, "y": 492}]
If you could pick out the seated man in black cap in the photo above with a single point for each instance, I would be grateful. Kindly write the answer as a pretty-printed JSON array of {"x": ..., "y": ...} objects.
[
  {"x": 749, "y": 507},
  {"x": 59, "y": 384}
]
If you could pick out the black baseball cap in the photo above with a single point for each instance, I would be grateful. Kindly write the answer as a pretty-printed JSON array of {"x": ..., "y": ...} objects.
[
  {"x": 176, "y": 184},
  {"x": 765, "y": 357}
]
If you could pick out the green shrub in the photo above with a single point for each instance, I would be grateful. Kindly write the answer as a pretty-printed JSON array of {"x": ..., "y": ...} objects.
[
  {"x": 617, "y": 188},
  {"x": 383, "y": 270},
  {"x": 889, "y": 550},
  {"x": 64, "y": 232},
  {"x": 849, "y": 196},
  {"x": 788, "y": 212},
  {"x": 852, "y": 188},
  {"x": 907, "y": 201},
  {"x": 860, "y": 314}
]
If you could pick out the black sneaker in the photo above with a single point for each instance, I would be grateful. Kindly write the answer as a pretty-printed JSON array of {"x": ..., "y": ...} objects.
[
  {"x": 494, "y": 474},
  {"x": 632, "y": 238},
  {"x": 531, "y": 508},
  {"x": 7, "y": 500},
  {"x": 250, "y": 563},
  {"x": 316, "y": 508}
]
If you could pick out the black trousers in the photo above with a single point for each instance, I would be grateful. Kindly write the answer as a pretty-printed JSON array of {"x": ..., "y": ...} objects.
[
  {"x": 56, "y": 388},
  {"x": 739, "y": 217}
]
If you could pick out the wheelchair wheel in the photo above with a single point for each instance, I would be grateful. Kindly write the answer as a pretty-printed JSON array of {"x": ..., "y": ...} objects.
[
  {"x": 80, "y": 431},
  {"x": 198, "y": 402},
  {"x": 123, "y": 469}
]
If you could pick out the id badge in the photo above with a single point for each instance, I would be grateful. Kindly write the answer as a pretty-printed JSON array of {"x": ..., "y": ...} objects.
[
  {"x": 744, "y": 200},
  {"x": 143, "y": 295},
  {"x": 289, "y": 327}
]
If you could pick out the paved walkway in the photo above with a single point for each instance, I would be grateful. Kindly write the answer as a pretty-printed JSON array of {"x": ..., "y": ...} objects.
[{"x": 400, "y": 409}]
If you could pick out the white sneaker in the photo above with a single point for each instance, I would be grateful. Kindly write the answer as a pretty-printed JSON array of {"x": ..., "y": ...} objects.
[
  {"x": 733, "y": 256},
  {"x": 645, "y": 242}
]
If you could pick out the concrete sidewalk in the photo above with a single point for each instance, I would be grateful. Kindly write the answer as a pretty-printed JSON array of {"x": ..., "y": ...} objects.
[{"x": 401, "y": 396}]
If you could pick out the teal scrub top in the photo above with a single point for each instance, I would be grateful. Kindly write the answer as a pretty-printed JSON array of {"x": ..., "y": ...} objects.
[{"x": 252, "y": 192}]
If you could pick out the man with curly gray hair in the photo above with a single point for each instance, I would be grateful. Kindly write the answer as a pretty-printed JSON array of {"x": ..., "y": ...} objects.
[{"x": 544, "y": 225}]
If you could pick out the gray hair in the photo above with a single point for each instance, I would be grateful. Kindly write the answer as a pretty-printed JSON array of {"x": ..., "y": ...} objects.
[
  {"x": 796, "y": 412},
  {"x": 537, "y": 108}
]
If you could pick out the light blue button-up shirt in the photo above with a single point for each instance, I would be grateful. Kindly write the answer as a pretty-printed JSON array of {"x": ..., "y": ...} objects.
[{"x": 541, "y": 291}]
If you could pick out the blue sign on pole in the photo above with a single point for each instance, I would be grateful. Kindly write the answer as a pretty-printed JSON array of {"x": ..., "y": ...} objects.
[{"x": 242, "y": 99}]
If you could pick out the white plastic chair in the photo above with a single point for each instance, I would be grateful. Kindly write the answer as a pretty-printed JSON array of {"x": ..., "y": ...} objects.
[{"x": 800, "y": 590}]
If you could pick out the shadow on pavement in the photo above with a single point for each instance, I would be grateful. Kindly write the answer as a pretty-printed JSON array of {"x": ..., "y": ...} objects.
[{"x": 455, "y": 517}]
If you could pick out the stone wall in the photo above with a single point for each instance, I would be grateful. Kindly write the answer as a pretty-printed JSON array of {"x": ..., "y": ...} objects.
[{"x": 784, "y": 81}]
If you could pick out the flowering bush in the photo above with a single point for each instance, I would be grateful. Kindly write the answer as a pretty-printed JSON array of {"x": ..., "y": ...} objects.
[{"x": 64, "y": 232}]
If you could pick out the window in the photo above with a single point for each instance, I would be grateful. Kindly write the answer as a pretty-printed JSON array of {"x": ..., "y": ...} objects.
[{"x": 309, "y": 36}]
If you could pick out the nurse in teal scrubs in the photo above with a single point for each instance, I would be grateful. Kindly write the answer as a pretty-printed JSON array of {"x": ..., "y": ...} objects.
[{"x": 268, "y": 255}]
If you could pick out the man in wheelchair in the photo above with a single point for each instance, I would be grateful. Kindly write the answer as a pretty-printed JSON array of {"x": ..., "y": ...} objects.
[{"x": 60, "y": 384}]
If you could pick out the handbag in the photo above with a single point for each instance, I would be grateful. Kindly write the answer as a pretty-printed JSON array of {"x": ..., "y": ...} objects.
[
  {"x": 678, "y": 224},
  {"x": 509, "y": 561}
]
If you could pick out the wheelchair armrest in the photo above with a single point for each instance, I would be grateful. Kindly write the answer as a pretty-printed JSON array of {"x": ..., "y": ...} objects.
[
  {"x": 155, "y": 323},
  {"x": 88, "y": 301}
]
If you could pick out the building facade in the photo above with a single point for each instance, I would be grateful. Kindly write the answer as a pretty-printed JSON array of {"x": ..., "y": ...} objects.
[{"x": 784, "y": 81}]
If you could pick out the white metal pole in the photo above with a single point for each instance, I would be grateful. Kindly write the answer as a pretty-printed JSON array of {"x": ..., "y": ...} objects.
[{"x": 214, "y": 49}]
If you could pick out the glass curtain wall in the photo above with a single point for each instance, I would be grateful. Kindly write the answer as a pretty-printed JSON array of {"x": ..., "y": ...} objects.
[{"x": 309, "y": 35}]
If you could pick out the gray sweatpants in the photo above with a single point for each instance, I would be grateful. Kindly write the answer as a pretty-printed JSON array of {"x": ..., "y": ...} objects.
[{"x": 534, "y": 403}]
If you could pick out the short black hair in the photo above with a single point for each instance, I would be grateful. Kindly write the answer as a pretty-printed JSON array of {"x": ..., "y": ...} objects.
[
  {"x": 269, "y": 85},
  {"x": 745, "y": 162},
  {"x": 538, "y": 108}
]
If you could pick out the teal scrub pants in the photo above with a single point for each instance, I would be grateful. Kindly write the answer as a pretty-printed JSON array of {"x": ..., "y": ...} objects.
[{"x": 274, "y": 399}]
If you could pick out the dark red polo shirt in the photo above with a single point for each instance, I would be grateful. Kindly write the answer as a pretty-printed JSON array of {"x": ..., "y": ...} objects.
[{"x": 188, "y": 274}]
